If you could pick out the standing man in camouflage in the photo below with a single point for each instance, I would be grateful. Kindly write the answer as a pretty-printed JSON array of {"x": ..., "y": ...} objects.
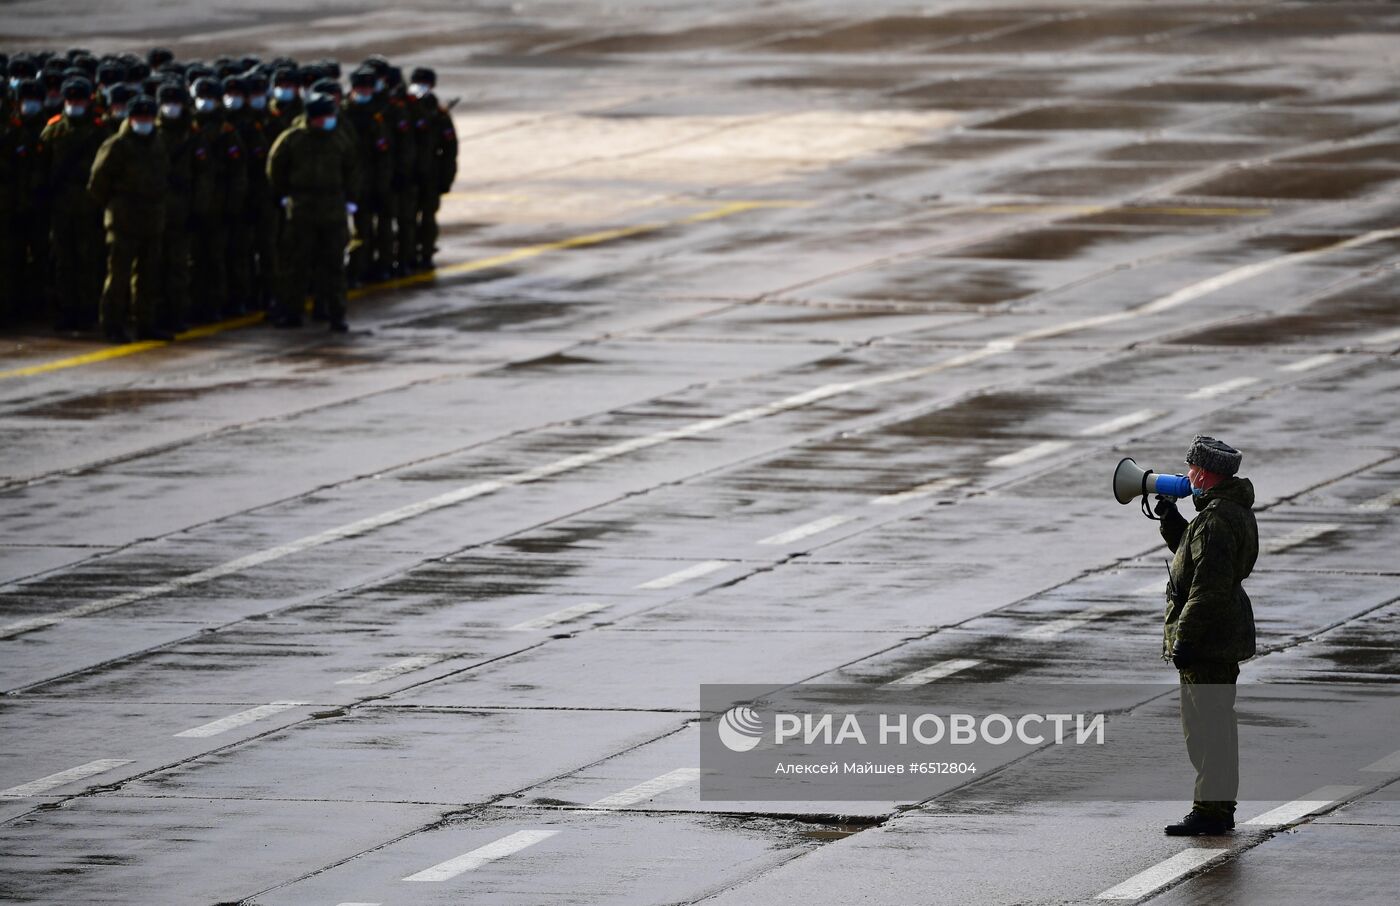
[
  {"x": 23, "y": 253},
  {"x": 437, "y": 162},
  {"x": 68, "y": 146},
  {"x": 228, "y": 189},
  {"x": 1210, "y": 624},
  {"x": 189, "y": 190},
  {"x": 403, "y": 186},
  {"x": 129, "y": 180},
  {"x": 372, "y": 250},
  {"x": 314, "y": 175}
]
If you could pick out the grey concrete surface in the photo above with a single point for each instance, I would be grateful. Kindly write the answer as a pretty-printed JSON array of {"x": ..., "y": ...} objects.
[{"x": 777, "y": 343}]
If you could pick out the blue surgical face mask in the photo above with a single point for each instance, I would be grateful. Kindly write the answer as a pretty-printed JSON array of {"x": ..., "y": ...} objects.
[
  {"x": 361, "y": 97},
  {"x": 283, "y": 95},
  {"x": 378, "y": 85},
  {"x": 205, "y": 105},
  {"x": 419, "y": 89},
  {"x": 75, "y": 110},
  {"x": 172, "y": 111},
  {"x": 233, "y": 101},
  {"x": 30, "y": 107},
  {"x": 258, "y": 102},
  {"x": 14, "y": 83},
  {"x": 328, "y": 123},
  {"x": 143, "y": 127}
]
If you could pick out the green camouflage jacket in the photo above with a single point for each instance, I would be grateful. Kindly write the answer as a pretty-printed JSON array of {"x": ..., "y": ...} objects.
[{"x": 1208, "y": 613}]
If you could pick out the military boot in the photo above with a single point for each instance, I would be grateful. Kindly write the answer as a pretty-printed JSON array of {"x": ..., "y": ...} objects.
[{"x": 1200, "y": 824}]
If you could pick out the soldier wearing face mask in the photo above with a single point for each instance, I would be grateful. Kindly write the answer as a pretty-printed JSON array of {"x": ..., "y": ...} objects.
[
  {"x": 189, "y": 191},
  {"x": 117, "y": 100},
  {"x": 228, "y": 189},
  {"x": 129, "y": 181},
  {"x": 243, "y": 211},
  {"x": 436, "y": 144},
  {"x": 68, "y": 146},
  {"x": 263, "y": 209},
  {"x": 286, "y": 104},
  {"x": 314, "y": 176},
  {"x": 372, "y": 248},
  {"x": 23, "y": 220}
]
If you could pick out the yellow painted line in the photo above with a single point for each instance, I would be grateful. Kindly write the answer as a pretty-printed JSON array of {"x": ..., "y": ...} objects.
[
  {"x": 1101, "y": 209},
  {"x": 465, "y": 267}
]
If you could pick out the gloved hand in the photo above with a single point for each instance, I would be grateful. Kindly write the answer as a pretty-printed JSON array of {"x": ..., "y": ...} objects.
[
  {"x": 1165, "y": 505},
  {"x": 351, "y": 208},
  {"x": 1182, "y": 657}
]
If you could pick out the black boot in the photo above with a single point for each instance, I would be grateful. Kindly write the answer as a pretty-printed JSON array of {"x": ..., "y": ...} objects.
[{"x": 1199, "y": 824}]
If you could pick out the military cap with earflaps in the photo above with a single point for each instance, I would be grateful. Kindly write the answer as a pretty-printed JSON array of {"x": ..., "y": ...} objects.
[
  {"x": 424, "y": 76},
  {"x": 145, "y": 105},
  {"x": 1214, "y": 455}
]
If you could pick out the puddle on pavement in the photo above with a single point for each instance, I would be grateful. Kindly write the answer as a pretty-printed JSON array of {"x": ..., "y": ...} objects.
[
  {"x": 1289, "y": 181},
  {"x": 1087, "y": 116},
  {"x": 1048, "y": 244},
  {"x": 697, "y": 38},
  {"x": 981, "y": 416},
  {"x": 1163, "y": 151},
  {"x": 134, "y": 399},
  {"x": 1295, "y": 125},
  {"x": 966, "y": 146},
  {"x": 492, "y": 316},
  {"x": 1376, "y": 153},
  {"x": 892, "y": 33},
  {"x": 975, "y": 93},
  {"x": 1206, "y": 93},
  {"x": 1084, "y": 182}
]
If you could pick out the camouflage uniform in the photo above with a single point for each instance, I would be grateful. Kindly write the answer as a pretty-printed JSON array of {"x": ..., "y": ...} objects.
[
  {"x": 372, "y": 249},
  {"x": 317, "y": 172},
  {"x": 67, "y": 148},
  {"x": 228, "y": 188},
  {"x": 130, "y": 178},
  {"x": 1209, "y": 629},
  {"x": 436, "y": 142},
  {"x": 189, "y": 191}
]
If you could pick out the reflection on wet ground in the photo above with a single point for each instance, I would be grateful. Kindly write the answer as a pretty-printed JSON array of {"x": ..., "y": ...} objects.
[{"x": 784, "y": 344}]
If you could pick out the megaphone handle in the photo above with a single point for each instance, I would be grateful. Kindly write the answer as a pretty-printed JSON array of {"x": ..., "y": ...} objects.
[{"x": 1147, "y": 510}]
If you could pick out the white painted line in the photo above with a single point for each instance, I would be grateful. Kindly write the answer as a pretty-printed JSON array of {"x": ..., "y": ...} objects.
[
  {"x": 807, "y": 530},
  {"x": 1163, "y": 873},
  {"x": 1298, "y": 809},
  {"x": 1382, "y": 339},
  {"x": 1316, "y": 361},
  {"x": 358, "y": 904},
  {"x": 223, "y": 724},
  {"x": 1065, "y": 624},
  {"x": 563, "y": 615},
  {"x": 923, "y": 490},
  {"x": 53, "y": 781},
  {"x": 1383, "y": 502},
  {"x": 389, "y": 671},
  {"x": 656, "y": 786},
  {"x": 992, "y": 348},
  {"x": 1121, "y": 423},
  {"x": 1033, "y": 452},
  {"x": 1213, "y": 390},
  {"x": 482, "y": 855},
  {"x": 450, "y": 498},
  {"x": 935, "y": 672},
  {"x": 1300, "y": 535},
  {"x": 685, "y": 575},
  {"x": 1390, "y": 764}
]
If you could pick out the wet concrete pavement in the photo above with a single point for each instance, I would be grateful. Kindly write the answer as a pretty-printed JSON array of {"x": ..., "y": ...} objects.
[{"x": 776, "y": 345}]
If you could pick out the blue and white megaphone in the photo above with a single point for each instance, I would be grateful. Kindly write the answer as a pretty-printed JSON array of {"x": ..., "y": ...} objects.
[{"x": 1131, "y": 480}]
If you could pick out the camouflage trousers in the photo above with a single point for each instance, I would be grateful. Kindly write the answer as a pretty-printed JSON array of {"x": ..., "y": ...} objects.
[{"x": 1212, "y": 734}]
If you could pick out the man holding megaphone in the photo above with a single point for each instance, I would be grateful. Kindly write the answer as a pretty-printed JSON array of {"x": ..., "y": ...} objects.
[{"x": 1209, "y": 620}]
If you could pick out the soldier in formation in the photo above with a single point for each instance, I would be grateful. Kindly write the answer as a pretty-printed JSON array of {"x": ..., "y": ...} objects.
[{"x": 141, "y": 195}]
